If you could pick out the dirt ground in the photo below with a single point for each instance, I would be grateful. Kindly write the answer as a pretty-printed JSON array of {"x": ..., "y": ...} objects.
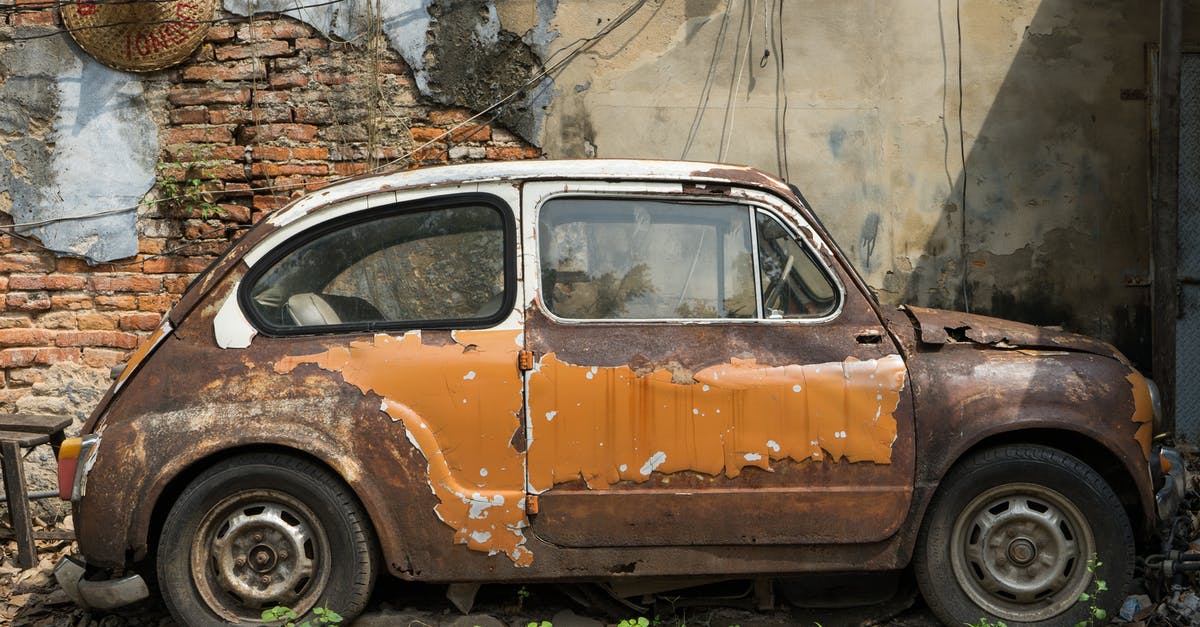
[{"x": 31, "y": 598}]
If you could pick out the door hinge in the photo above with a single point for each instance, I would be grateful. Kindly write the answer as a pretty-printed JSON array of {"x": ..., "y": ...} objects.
[{"x": 525, "y": 361}]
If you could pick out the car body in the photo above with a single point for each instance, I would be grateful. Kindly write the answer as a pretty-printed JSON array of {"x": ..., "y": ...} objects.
[{"x": 539, "y": 370}]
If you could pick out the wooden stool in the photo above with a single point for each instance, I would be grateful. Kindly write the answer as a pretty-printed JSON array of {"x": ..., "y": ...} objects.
[{"x": 17, "y": 432}]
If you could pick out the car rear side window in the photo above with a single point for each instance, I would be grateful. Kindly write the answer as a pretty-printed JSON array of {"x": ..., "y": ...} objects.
[{"x": 400, "y": 268}]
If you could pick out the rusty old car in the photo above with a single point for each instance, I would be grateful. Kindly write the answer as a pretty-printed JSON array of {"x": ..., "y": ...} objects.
[{"x": 598, "y": 369}]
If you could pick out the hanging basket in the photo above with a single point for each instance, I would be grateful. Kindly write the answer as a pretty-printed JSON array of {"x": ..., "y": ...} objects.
[{"x": 139, "y": 35}]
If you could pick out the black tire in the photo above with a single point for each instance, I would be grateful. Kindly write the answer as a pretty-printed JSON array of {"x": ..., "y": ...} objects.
[
  {"x": 1009, "y": 534},
  {"x": 256, "y": 531}
]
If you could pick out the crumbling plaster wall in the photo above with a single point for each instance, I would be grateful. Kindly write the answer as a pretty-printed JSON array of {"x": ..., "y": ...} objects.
[
  {"x": 77, "y": 147},
  {"x": 1056, "y": 161}
]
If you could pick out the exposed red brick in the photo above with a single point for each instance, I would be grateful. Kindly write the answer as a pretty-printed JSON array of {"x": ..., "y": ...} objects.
[
  {"x": 288, "y": 80},
  {"x": 25, "y": 337},
  {"x": 116, "y": 302},
  {"x": 17, "y": 357},
  {"x": 289, "y": 169},
  {"x": 311, "y": 43},
  {"x": 349, "y": 169},
  {"x": 433, "y": 152},
  {"x": 334, "y": 78},
  {"x": 274, "y": 30},
  {"x": 313, "y": 114},
  {"x": 198, "y": 134},
  {"x": 27, "y": 301},
  {"x": 266, "y": 98},
  {"x": 207, "y": 95},
  {"x": 161, "y": 303},
  {"x": 15, "y": 322},
  {"x": 41, "y": 18},
  {"x": 51, "y": 356},
  {"x": 72, "y": 265},
  {"x": 71, "y": 302},
  {"x": 59, "y": 320},
  {"x": 25, "y": 376},
  {"x": 219, "y": 33},
  {"x": 46, "y": 282},
  {"x": 272, "y": 153},
  {"x": 265, "y": 48},
  {"x": 112, "y": 339},
  {"x": 103, "y": 357},
  {"x": 272, "y": 132},
  {"x": 97, "y": 321},
  {"x": 175, "y": 285},
  {"x": 26, "y": 262},
  {"x": 313, "y": 153},
  {"x": 188, "y": 116},
  {"x": 125, "y": 283},
  {"x": 472, "y": 133},
  {"x": 270, "y": 203},
  {"x": 509, "y": 153},
  {"x": 140, "y": 321},
  {"x": 227, "y": 172},
  {"x": 236, "y": 213},
  {"x": 425, "y": 133},
  {"x": 249, "y": 69}
]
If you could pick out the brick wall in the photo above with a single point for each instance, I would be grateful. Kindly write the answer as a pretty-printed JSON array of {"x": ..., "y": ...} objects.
[{"x": 264, "y": 110}]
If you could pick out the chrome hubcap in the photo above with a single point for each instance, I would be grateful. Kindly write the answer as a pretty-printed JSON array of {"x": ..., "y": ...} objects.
[
  {"x": 259, "y": 549},
  {"x": 1020, "y": 551}
]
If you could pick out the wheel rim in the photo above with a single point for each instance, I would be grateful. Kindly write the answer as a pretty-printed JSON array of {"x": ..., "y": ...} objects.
[
  {"x": 258, "y": 549},
  {"x": 1020, "y": 552}
]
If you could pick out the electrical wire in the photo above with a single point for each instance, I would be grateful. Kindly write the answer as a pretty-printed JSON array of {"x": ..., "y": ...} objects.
[
  {"x": 736, "y": 86},
  {"x": 706, "y": 91},
  {"x": 781, "y": 139},
  {"x": 962, "y": 152}
]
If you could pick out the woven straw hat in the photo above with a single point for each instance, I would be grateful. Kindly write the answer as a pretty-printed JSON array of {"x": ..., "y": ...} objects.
[{"x": 139, "y": 35}]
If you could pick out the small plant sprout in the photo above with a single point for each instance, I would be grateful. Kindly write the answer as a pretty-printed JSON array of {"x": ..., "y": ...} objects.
[
  {"x": 1096, "y": 614},
  {"x": 287, "y": 617}
]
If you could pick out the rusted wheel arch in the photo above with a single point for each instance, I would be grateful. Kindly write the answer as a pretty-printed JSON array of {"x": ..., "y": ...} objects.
[
  {"x": 1106, "y": 462},
  {"x": 170, "y": 492}
]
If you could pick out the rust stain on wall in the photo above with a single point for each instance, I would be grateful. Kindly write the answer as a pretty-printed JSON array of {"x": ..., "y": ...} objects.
[
  {"x": 606, "y": 425},
  {"x": 1143, "y": 411},
  {"x": 460, "y": 405}
]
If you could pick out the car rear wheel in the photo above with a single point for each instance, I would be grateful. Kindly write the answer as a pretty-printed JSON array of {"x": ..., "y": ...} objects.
[
  {"x": 1009, "y": 536},
  {"x": 258, "y": 531}
]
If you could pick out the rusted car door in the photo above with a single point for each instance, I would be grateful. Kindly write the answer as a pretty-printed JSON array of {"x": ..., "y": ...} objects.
[{"x": 703, "y": 372}]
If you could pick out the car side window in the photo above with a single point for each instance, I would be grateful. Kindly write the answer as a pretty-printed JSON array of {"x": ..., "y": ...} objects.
[
  {"x": 645, "y": 259},
  {"x": 793, "y": 284},
  {"x": 398, "y": 268}
]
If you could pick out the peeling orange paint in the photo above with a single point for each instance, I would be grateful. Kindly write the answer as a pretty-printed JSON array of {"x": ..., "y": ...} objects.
[
  {"x": 1143, "y": 411},
  {"x": 606, "y": 425},
  {"x": 460, "y": 405}
]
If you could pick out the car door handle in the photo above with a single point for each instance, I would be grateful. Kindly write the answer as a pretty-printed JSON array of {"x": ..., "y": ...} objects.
[{"x": 870, "y": 336}]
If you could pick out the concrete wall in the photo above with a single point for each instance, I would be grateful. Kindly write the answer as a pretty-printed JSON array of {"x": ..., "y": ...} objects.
[{"x": 1056, "y": 210}]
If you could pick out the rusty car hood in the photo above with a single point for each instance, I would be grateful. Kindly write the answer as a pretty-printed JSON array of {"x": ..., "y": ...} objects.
[{"x": 937, "y": 326}]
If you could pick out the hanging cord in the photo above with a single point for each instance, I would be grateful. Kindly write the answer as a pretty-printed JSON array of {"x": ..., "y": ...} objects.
[
  {"x": 736, "y": 85},
  {"x": 781, "y": 93},
  {"x": 962, "y": 153},
  {"x": 706, "y": 91}
]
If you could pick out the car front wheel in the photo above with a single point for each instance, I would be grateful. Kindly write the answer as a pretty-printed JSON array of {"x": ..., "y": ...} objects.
[
  {"x": 258, "y": 531},
  {"x": 1009, "y": 537}
]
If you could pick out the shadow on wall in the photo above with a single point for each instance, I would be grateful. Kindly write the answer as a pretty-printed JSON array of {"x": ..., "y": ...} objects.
[{"x": 1056, "y": 222}]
